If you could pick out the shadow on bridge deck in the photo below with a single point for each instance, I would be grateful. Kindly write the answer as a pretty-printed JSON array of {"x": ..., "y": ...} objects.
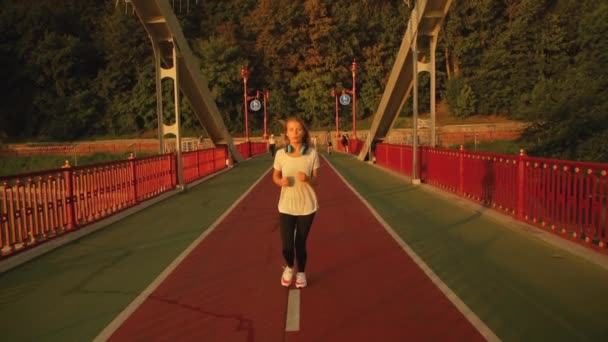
[{"x": 520, "y": 286}]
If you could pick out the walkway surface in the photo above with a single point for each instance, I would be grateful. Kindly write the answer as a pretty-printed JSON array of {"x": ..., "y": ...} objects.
[{"x": 424, "y": 268}]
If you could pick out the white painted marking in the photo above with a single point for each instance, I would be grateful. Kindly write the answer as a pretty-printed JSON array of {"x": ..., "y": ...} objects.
[
  {"x": 293, "y": 311},
  {"x": 105, "y": 334},
  {"x": 483, "y": 329}
]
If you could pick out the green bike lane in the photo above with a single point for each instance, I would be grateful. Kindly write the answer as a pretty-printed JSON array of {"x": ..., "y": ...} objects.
[{"x": 522, "y": 288}]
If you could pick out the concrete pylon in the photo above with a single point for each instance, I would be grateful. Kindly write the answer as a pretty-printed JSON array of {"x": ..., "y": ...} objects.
[{"x": 416, "y": 54}]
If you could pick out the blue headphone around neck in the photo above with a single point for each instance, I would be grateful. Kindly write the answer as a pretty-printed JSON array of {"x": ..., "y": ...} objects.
[{"x": 303, "y": 148}]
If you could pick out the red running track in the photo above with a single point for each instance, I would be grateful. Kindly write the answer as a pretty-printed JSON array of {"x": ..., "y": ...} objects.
[{"x": 362, "y": 285}]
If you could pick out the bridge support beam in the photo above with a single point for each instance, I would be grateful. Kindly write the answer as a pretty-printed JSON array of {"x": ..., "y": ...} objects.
[
  {"x": 428, "y": 42},
  {"x": 433, "y": 71},
  {"x": 430, "y": 67},
  {"x": 415, "y": 64},
  {"x": 163, "y": 129},
  {"x": 423, "y": 29}
]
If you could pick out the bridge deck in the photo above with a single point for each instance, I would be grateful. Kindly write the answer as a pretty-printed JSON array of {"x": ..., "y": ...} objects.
[{"x": 363, "y": 282}]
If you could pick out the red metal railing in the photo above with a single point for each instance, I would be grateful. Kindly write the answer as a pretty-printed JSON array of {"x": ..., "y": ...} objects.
[
  {"x": 491, "y": 179},
  {"x": 244, "y": 149},
  {"x": 355, "y": 146},
  {"x": 442, "y": 168},
  {"x": 154, "y": 175},
  {"x": 251, "y": 149},
  {"x": 395, "y": 157},
  {"x": 258, "y": 148},
  {"x": 200, "y": 163},
  {"x": 37, "y": 207},
  {"x": 569, "y": 198}
]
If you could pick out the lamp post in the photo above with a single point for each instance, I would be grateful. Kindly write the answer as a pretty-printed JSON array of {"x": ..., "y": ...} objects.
[
  {"x": 353, "y": 92},
  {"x": 245, "y": 75},
  {"x": 334, "y": 93},
  {"x": 266, "y": 97}
]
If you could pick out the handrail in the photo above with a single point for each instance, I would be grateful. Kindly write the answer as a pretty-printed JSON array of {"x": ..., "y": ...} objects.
[
  {"x": 40, "y": 206},
  {"x": 568, "y": 198}
]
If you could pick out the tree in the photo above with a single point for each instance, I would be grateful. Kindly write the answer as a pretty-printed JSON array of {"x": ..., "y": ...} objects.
[
  {"x": 571, "y": 118},
  {"x": 220, "y": 63}
]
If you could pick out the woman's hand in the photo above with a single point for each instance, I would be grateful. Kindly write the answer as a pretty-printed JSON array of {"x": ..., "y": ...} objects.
[
  {"x": 301, "y": 176},
  {"x": 278, "y": 179}
]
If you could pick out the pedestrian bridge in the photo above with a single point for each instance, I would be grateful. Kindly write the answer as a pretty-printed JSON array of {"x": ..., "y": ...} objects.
[
  {"x": 388, "y": 261},
  {"x": 186, "y": 246}
]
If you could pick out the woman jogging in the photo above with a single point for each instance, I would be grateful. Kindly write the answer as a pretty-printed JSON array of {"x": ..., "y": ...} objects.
[{"x": 296, "y": 172}]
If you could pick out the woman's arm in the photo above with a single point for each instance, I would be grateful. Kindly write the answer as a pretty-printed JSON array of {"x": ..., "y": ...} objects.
[
  {"x": 314, "y": 177},
  {"x": 277, "y": 178}
]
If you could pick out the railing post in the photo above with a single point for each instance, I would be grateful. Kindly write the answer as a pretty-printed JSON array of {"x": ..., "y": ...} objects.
[
  {"x": 229, "y": 160},
  {"x": 69, "y": 195},
  {"x": 5, "y": 244},
  {"x": 175, "y": 165},
  {"x": 419, "y": 164},
  {"x": 213, "y": 161},
  {"x": 401, "y": 153},
  {"x": 461, "y": 170},
  {"x": 520, "y": 183},
  {"x": 133, "y": 177},
  {"x": 198, "y": 165}
]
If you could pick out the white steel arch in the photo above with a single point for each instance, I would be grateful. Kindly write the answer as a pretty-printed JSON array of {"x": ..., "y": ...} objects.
[{"x": 416, "y": 54}]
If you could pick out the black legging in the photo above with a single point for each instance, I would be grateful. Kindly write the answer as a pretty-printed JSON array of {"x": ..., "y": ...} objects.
[{"x": 300, "y": 226}]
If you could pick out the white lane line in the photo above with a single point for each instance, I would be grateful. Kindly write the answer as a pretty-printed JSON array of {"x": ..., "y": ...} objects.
[
  {"x": 483, "y": 329},
  {"x": 139, "y": 300},
  {"x": 293, "y": 311}
]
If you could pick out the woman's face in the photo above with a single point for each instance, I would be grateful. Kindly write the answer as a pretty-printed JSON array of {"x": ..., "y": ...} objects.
[{"x": 295, "y": 132}]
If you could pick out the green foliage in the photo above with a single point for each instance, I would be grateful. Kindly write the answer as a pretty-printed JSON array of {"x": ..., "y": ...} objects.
[
  {"x": 540, "y": 61},
  {"x": 465, "y": 104},
  {"x": 460, "y": 97},
  {"x": 570, "y": 110},
  {"x": 80, "y": 68}
]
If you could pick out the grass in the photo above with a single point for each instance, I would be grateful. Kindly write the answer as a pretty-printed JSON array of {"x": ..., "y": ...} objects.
[
  {"x": 449, "y": 120},
  {"x": 441, "y": 119},
  {"x": 496, "y": 146},
  {"x": 13, "y": 165}
]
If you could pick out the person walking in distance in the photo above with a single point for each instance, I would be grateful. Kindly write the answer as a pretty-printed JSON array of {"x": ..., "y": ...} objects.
[
  {"x": 344, "y": 142},
  {"x": 296, "y": 171},
  {"x": 329, "y": 144},
  {"x": 272, "y": 145}
]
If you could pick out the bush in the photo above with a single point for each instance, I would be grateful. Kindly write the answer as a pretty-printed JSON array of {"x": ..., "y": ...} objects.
[{"x": 460, "y": 97}]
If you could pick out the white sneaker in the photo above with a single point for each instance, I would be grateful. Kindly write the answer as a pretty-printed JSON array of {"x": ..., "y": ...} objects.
[
  {"x": 287, "y": 276},
  {"x": 301, "y": 280}
]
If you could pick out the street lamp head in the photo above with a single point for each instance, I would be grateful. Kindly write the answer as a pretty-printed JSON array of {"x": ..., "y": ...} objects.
[
  {"x": 244, "y": 73},
  {"x": 353, "y": 67}
]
